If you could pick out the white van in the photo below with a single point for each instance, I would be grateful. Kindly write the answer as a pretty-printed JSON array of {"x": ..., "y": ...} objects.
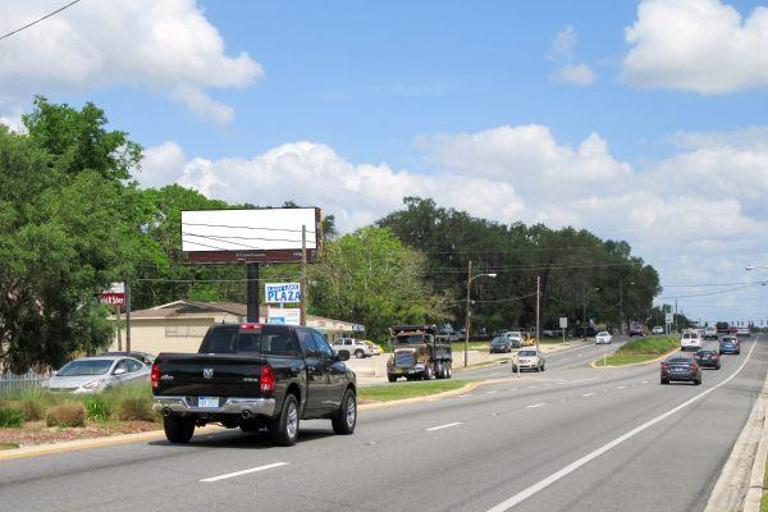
[{"x": 691, "y": 340}]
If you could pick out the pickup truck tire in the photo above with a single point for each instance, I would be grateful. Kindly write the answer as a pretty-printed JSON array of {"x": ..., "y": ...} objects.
[
  {"x": 360, "y": 353},
  {"x": 285, "y": 428},
  {"x": 178, "y": 429},
  {"x": 345, "y": 419},
  {"x": 392, "y": 378}
]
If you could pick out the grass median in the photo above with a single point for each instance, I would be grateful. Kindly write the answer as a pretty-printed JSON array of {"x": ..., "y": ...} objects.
[
  {"x": 400, "y": 390},
  {"x": 641, "y": 350}
]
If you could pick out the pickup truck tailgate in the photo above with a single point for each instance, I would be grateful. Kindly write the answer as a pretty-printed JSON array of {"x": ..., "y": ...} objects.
[{"x": 209, "y": 375}]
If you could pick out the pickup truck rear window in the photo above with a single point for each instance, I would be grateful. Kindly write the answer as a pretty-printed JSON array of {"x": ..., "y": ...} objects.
[{"x": 232, "y": 340}]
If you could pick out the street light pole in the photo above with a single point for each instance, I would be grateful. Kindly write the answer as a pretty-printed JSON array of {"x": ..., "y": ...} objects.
[{"x": 467, "y": 320}]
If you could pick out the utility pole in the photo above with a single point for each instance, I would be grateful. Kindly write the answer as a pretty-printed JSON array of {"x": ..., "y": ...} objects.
[
  {"x": 538, "y": 310},
  {"x": 674, "y": 318},
  {"x": 127, "y": 316},
  {"x": 119, "y": 331},
  {"x": 467, "y": 320},
  {"x": 303, "y": 303},
  {"x": 621, "y": 304}
]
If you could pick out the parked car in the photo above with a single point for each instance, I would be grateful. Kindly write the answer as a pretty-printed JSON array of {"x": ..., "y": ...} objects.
[
  {"x": 528, "y": 359},
  {"x": 708, "y": 359},
  {"x": 682, "y": 368},
  {"x": 253, "y": 376},
  {"x": 373, "y": 348},
  {"x": 354, "y": 347},
  {"x": 691, "y": 340},
  {"x": 710, "y": 333},
  {"x": 730, "y": 345},
  {"x": 501, "y": 344},
  {"x": 658, "y": 330},
  {"x": 144, "y": 357},
  {"x": 97, "y": 374},
  {"x": 603, "y": 337}
]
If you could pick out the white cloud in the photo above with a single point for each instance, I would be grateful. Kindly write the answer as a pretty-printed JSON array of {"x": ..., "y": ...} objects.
[
  {"x": 564, "y": 43},
  {"x": 577, "y": 74},
  {"x": 698, "y": 216},
  {"x": 704, "y": 46},
  {"x": 168, "y": 45},
  {"x": 562, "y": 49}
]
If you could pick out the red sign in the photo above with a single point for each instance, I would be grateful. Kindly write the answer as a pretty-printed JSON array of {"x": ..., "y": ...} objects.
[{"x": 115, "y": 295}]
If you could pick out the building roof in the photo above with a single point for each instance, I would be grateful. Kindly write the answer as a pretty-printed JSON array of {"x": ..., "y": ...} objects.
[{"x": 196, "y": 309}]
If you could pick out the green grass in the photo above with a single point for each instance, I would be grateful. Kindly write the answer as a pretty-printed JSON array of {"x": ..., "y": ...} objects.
[
  {"x": 8, "y": 445},
  {"x": 389, "y": 392},
  {"x": 641, "y": 350},
  {"x": 458, "y": 346},
  {"x": 764, "y": 500}
]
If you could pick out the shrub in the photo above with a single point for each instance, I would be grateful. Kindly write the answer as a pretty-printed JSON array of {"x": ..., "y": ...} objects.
[
  {"x": 66, "y": 415},
  {"x": 11, "y": 417},
  {"x": 136, "y": 408},
  {"x": 33, "y": 410},
  {"x": 97, "y": 409}
]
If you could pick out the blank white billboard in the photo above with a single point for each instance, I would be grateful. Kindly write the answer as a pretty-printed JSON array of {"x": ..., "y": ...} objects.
[{"x": 275, "y": 229}]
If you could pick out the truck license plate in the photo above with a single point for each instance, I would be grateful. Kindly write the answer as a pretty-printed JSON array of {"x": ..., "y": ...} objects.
[{"x": 211, "y": 402}]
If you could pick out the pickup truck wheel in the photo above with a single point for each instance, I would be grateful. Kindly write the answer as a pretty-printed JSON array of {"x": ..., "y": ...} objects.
[
  {"x": 285, "y": 428},
  {"x": 392, "y": 378},
  {"x": 359, "y": 353},
  {"x": 177, "y": 429},
  {"x": 345, "y": 419}
]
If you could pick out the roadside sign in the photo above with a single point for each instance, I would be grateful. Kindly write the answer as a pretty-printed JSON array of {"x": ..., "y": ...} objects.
[
  {"x": 563, "y": 322},
  {"x": 670, "y": 318},
  {"x": 114, "y": 295},
  {"x": 284, "y": 316},
  {"x": 278, "y": 293}
]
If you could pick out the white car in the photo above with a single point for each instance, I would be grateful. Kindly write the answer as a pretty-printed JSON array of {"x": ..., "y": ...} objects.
[
  {"x": 528, "y": 359},
  {"x": 603, "y": 337},
  {"x": 691, "y": 340},
  {"x": 515, "y": 338},
  {"x": 710, "y": 333},
  {"x": 658, "y": 330},
  {"x": 354, "y": 347},
  {"x": 97, "y": 374}
]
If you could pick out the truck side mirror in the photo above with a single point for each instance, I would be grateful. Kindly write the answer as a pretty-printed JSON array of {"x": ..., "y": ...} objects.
[{"x": 342, "y": 355}]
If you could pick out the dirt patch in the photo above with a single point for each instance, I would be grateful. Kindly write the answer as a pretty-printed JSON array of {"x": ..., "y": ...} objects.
[{"x": 37, "y": 433}]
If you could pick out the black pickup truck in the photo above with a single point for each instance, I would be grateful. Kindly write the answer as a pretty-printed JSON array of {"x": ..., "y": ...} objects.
[{"x": 255, "y": 376}]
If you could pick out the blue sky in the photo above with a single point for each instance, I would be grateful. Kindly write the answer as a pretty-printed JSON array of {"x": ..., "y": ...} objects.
[
  {"x": 639, "y": 120},
  {"x": 367, "y": 78}
]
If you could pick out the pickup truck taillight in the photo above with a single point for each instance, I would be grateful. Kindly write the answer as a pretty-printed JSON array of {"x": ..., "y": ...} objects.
[
  {"x": 267, "y": 380},
  {"x": 154, "y": 376}
]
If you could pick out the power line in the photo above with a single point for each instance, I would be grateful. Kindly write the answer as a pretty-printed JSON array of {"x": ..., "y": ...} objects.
[
  {"x": 711, "y": 293},
  {"x": 9, "y": 34}
]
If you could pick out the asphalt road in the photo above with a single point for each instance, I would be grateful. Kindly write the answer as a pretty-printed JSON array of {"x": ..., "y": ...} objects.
[{"x": 572, "y": 438}]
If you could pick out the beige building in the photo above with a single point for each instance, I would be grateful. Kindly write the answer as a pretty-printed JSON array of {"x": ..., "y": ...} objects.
[{"x": 180, "y": 326}]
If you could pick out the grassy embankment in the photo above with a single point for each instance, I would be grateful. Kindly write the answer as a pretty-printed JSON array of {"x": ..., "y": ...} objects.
[
  {"x": 641, "y": 350},
  {"x": 389, "y": 392}
]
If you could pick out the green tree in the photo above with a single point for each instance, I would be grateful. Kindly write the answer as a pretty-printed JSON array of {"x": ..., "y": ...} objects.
[{"x": 370, "y": 277}]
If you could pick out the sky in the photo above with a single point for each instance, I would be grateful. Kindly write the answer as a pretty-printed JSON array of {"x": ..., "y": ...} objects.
[{"x": 644, "y": 121}]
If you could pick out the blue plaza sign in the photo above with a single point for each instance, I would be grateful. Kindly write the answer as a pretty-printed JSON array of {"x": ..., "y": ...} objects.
[{"x": 280, "y": 293}]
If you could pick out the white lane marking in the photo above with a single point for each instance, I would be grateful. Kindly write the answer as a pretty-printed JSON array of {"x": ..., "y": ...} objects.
[
  {"x": 586, "y": 459},
  {"x": 465, "y": 395},
  {"x": 440, "y": 427},
  {"x": 646, "y": 382},
  {"x": 540, "y": 404},
  {"x": 621, "y": 387},
  {"x": 532, "y": 387},
  {"x": 491, "y": 392},
  {"x": 244, "y": 472},
  {"x": 588, "y": 394}
]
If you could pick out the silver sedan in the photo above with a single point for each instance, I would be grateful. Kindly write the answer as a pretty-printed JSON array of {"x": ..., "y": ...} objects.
[{"x": 97, "y": 374}]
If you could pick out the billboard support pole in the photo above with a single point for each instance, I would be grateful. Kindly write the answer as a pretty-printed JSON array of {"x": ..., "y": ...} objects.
[
  {"x": 303, "y": 302},
  {"x": 252, "y": 292},
  {"x": 119, "y": 331}
]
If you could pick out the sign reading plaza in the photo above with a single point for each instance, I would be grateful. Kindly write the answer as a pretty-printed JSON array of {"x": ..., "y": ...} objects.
[{"x": 278, "y": 293}]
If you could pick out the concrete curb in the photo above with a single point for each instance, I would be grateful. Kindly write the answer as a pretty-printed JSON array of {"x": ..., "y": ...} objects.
[
  {"x": 155, "y": 435},
  {"x": 740, "y": 485},
  {"x": 593, "y": 364}
]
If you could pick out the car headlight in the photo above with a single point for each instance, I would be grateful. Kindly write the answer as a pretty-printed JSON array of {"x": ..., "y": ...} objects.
[{"x": 92, "y": 384}]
